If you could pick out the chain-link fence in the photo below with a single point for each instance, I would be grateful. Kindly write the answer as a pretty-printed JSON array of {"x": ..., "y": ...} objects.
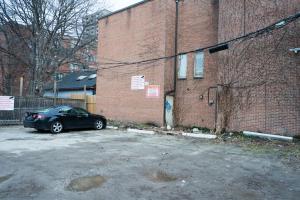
[{"x": 29, "y": 104}]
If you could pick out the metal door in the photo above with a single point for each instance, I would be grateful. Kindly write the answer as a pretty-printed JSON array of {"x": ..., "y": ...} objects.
[{"x": 169, "y": 108}]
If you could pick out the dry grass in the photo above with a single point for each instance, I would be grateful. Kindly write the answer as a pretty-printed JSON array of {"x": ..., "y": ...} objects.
[{"x": 288, "y": 152}]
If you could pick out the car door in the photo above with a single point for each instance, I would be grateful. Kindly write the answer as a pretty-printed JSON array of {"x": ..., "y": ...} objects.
[
  {"x": 69, "y": 118},
  {"x": 83, "y": 118}
]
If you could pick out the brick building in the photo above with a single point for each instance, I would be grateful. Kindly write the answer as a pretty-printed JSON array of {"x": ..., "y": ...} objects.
[
  {"x": 84, "y": 58},
  {"x": 12, "y": 61},
  {"x": 15, "y": 66},
  {"x": 147, "y": 30},
  {"x": 269, "y": 67},
  {"x": 90, "y": 23}
]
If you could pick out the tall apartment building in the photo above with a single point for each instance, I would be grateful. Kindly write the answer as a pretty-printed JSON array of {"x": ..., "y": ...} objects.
[
  {"x": 89, "y": 37},
  {"x": 90, "y": 23}
]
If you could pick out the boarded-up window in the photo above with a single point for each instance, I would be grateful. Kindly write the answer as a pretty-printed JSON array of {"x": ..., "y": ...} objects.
[
  {"x": 182, "y": 63},
  {"x": 199, "y": 65}
]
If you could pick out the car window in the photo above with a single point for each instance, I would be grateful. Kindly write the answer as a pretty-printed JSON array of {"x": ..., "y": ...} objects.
[
  {"x": 72, "y": 112},
  {"x": 65, "y": 110},
  {"x": 80, "y": 111}
]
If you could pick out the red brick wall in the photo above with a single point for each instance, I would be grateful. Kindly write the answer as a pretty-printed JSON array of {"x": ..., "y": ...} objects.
[
  {"x": 272, "y": 105},
  {"x": 1, "y": 81},
  {"x": 198, "y": 22},
  {"x": 2, "y": 65},
  {"x": 11, "y": 70},
  {"x": 147, "y": 31},
  {"x": 135, "y": 34},
  {"x": 170, "y": 45}
]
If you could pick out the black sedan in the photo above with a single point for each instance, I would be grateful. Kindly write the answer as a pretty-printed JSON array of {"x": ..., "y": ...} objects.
[{"x": 59, "y": 118}]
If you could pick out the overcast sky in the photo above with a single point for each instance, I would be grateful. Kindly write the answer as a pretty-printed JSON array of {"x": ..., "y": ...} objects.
[{"x": 118, "y": 4}]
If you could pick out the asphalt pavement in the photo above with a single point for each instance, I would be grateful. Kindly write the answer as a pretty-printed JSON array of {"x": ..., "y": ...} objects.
[{"x": 118, "y": 165}]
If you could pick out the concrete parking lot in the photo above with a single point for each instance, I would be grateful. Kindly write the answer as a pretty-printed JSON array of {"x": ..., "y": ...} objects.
[{"x": 119, "y": 165}]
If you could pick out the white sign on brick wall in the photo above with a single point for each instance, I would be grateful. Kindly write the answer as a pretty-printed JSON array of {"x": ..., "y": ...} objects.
[
  {"x": 153, "y": 91},
  {"x": 7, "y": 103},
  {"x": 138, "y": 82}
]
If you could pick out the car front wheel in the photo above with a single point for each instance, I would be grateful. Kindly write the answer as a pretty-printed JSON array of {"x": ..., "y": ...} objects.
[
  {"x": 56, "y": 127},
  {"x": 99, "y": 124}
]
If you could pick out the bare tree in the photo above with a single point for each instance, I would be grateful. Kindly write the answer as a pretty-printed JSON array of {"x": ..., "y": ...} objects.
[{"x": 43, "y": 35}]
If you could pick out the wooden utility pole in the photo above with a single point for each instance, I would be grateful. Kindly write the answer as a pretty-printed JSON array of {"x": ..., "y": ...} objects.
[
  {"x": 20, "y": 98},
  {"x": 55, "y": 91},
  {"x": 21, "y": 86},
  {"x": 84, "y": 89}
]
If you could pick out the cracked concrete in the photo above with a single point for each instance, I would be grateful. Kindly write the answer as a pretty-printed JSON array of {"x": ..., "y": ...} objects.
[{"x": 112, "y": 164}]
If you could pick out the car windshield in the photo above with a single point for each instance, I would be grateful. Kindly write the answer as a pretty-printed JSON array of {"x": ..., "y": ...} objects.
[
  {"x": 55, "y": 109},
  {"x": 63, "y": 109},
  {"x": 47, "y": 110},
  {"x": 80, "y": 111}
]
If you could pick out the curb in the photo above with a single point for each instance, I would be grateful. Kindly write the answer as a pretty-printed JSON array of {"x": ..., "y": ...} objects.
[
  {"x": 140, "y": 131},
  {"x": 192, "y": 135},
  {"x": 206, "y": 136},
  {"x": 200, "y": 135},
  {"x": 172, "y": 133},
  {"x": 112, "y": 127}
]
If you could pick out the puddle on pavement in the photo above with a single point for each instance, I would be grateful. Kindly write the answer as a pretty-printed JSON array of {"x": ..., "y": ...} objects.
[
  {"x": 45, "y": 139},
  {"x": 125, "y": 139},
  {"x": 5, "y": 178},
  {"x": 160, "y": 176},
  {"x": 86, "y": 183},
  {"x": 23, "y": 139},
  {"x": 18, "y": 139}
]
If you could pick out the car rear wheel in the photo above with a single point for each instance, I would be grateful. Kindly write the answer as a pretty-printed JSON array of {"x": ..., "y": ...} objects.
[
  {"x": 56, "y": 127},
  {"x": 99, "y": 124}
]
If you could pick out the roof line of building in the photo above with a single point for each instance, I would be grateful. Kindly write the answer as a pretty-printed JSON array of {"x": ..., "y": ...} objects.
[
  {"x": 123, "y": 9},
  {"x": 70, "y": 89}
]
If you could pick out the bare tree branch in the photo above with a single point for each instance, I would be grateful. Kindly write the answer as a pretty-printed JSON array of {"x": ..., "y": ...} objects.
[{"x": 44, "y": 35}]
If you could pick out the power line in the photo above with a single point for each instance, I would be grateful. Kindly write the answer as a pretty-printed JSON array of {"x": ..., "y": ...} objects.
[{"x": 275, "y": 26}]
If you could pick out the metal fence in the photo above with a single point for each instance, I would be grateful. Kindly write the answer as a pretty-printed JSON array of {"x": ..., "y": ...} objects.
[{"x": 30, "y": 104}]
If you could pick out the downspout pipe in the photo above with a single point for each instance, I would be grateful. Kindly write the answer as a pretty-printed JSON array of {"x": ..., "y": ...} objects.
[
  {"x": 175, "y": 63},
  {"x": 176, "y": 45}
]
